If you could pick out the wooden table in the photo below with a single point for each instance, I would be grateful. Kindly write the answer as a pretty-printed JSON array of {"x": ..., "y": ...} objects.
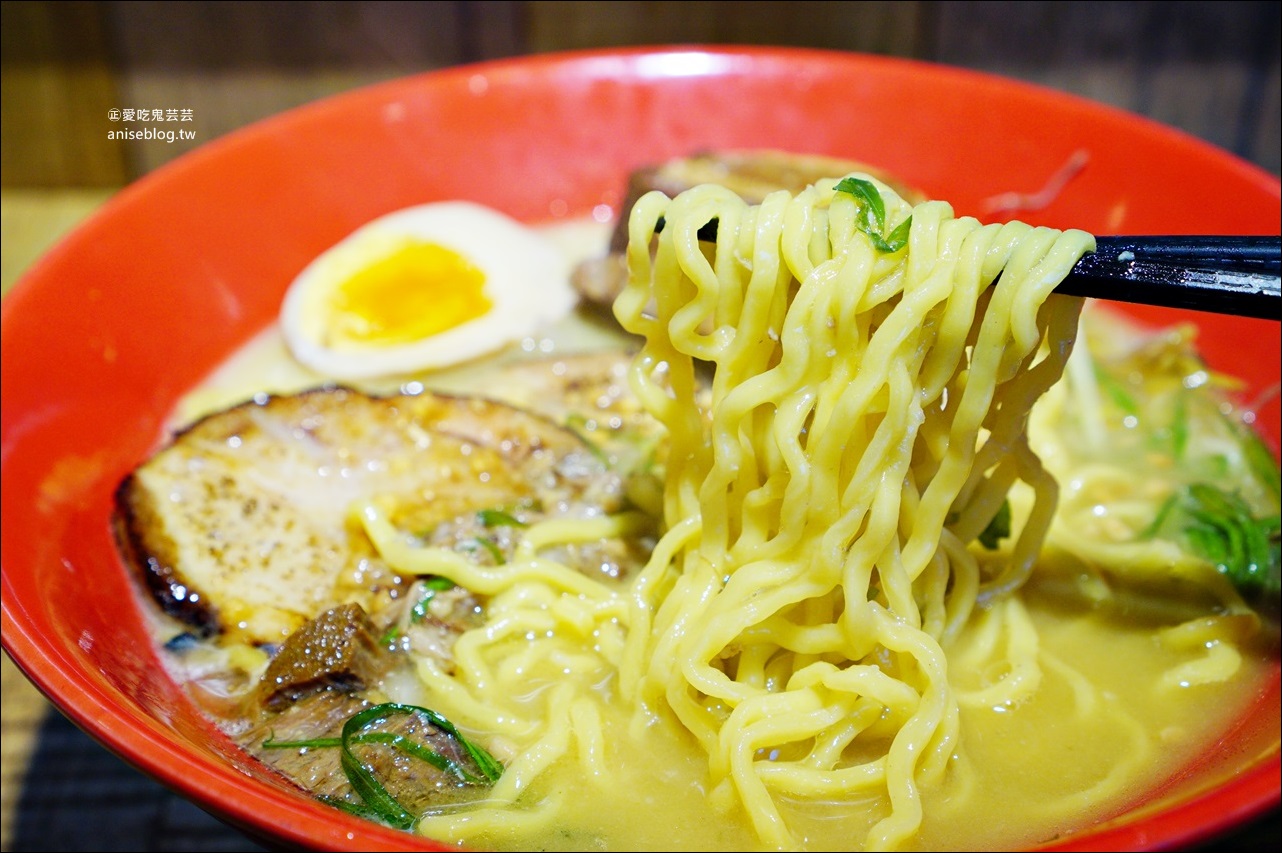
[
  {"x": 31, "y": 221},
  {"x": 60, "y": 790}
]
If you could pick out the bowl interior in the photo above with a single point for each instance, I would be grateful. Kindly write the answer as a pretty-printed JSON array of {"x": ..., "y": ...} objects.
[{"x": 103, "y": 336}]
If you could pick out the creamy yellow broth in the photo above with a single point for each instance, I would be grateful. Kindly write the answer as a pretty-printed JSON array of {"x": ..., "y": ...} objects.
[
  {"x": 1028, "y": 774},
  {"x": 1014, "y": 785}
]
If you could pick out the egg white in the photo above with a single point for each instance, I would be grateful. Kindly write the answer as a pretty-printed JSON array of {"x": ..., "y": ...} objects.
[{"x": 527, "y": 280}]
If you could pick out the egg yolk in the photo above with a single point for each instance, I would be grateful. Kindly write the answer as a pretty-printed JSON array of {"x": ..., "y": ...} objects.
[{"x": 419, "y": 290}]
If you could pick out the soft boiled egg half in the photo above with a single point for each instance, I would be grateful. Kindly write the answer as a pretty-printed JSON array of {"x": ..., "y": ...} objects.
[{"x": 423, "y": 288}]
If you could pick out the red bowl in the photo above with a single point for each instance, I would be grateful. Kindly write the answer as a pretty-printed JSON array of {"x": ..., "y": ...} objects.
[{"x": 104, "y": 334}]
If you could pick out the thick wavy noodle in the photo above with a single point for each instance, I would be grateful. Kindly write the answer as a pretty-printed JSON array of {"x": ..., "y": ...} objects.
[
  {"x": 868, "y": 419},
  {"x": 852, "y": 567},
  {"x": 814, "y": 558},
  {"x": 1138, "y": 420}
]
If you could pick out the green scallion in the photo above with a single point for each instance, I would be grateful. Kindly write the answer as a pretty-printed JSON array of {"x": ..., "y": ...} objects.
[
  {"x": 431, "y": 586},
  {"x": 872, "y": 215},
  {"x": 997, "y": 529},
  {"x": 498, "y": 518},
  {"x": 376, "y": 801}
]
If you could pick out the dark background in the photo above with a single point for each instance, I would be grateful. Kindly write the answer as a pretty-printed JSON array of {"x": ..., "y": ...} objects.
[{"x": 1209, "y": 68}]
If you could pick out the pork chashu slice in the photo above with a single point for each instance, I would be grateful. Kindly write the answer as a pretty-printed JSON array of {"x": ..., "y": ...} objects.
[
  {"x": 751, "y": 174},
  {"x": 242, "y": 524}
]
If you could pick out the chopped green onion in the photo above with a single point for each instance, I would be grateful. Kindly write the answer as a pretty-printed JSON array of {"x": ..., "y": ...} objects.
[
  {"x": 578, "y": 424},
  {"x": 363, "y": 781},
  {"x": 1221, "y": 528},
  {"x": 1167, "y": 507},
  {"x": 431, "y": 586},
  {"x": 489, "y": 546},
  {"x": 377, "y": 801},
  {"x": 872, "y": 215},
  {"x": 498, "y": 518},
  {"x": 1180, "y": 426},
  {"x": 423, "y": 753},
  {"x": 997, "y": 529},
  {"x": 1217, "y": 465},
  {"x": 489, "y": 766},
  {"x": 419, "y": 611},
  {"x": 1117, "y": 392}
]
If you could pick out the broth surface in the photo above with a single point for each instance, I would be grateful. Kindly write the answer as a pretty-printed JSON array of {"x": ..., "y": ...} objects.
[{"x": 1017, "y": 778}]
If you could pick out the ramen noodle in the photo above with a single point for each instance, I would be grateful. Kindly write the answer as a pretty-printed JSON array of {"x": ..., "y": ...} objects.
[
  {"x": 867, "y": 420},
  {"x": 877, "y": 529}
]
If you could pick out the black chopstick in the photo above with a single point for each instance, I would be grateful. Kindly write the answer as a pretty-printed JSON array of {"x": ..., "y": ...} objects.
[
  {"x": 1224, "y": 275},
  {"x": 1221, "y": 275}
]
